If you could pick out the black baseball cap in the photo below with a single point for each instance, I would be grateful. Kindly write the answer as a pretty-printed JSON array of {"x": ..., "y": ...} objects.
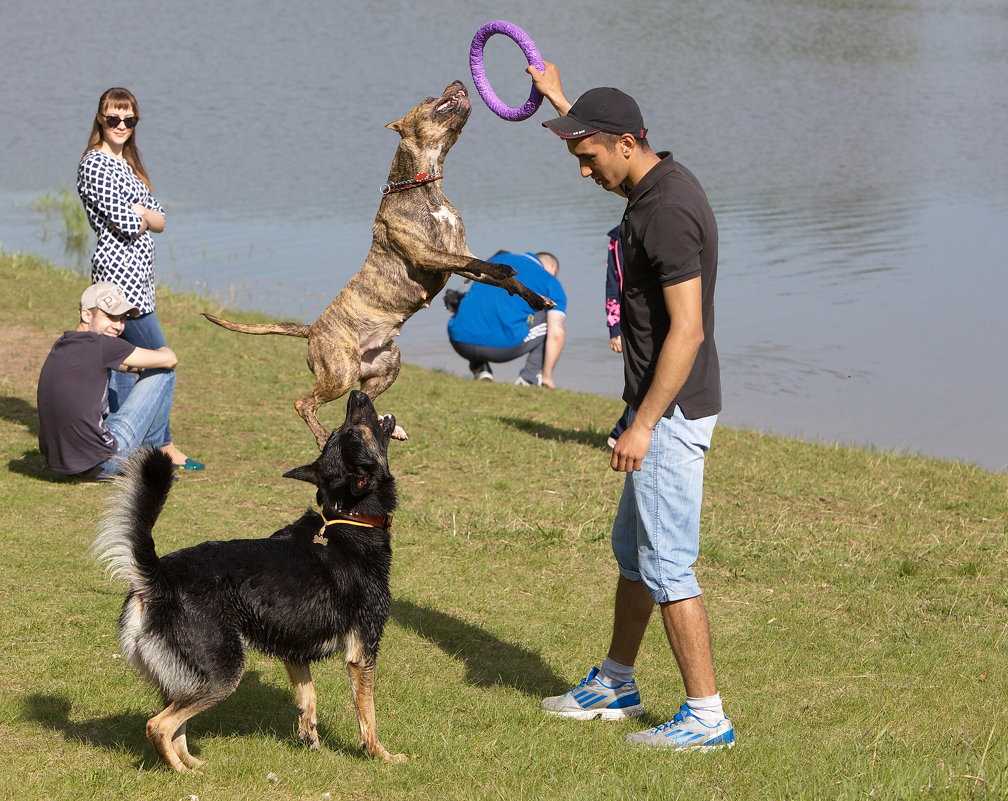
[{"x": 602, "y": 109}]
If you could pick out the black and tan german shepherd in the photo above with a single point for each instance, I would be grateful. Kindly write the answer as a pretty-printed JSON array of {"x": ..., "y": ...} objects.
[{"x": 317, "y": 587}]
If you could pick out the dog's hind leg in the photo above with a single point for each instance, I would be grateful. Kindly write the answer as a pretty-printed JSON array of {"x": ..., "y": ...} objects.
[
  {"x": 336, "y": 372},
  {"x": 306, "y": 701},
  {"x": 362, "y": 677},
  {"x": 187, "y": 693},
  {"x": 166, "y": 731},
  {"x": 182, "y": 749},
  {"x": 307, "y": 408},
  {"x": 379, "y": 370}
]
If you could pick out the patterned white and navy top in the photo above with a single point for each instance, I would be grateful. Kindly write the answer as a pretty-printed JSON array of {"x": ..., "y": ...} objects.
[{"x": 108, "y": 188}]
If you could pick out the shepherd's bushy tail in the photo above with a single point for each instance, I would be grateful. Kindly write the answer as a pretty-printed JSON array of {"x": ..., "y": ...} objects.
[
  {"x": 287, "y": 329},
  {"x": 125, "y": 544}
]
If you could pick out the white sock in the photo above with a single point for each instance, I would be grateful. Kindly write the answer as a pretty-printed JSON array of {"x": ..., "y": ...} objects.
[
  {"x": 612, "y": 673},
  {"x": 709, "y": 711}
]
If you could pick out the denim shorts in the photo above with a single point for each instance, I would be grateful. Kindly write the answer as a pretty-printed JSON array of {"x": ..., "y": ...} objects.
[{"x": 656, "y": 533}]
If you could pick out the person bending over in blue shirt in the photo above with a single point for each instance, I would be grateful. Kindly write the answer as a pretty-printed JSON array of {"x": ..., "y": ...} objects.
[{"x": 489, "y": 325}]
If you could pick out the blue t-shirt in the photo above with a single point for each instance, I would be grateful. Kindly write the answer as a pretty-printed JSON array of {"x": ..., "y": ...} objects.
[{"x": 489, "y": 316}]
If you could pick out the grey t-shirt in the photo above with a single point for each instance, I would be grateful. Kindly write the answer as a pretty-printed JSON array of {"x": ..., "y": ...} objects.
[{"x": 73, "y": 400}]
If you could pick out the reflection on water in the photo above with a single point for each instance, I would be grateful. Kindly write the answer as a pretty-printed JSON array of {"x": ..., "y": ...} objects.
[{"x": 853, "y": 153}]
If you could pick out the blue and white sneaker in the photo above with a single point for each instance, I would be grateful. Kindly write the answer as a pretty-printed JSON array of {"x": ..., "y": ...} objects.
[
  {"x": 685, "y": 733},
  {"x": 592, "y": 699}
]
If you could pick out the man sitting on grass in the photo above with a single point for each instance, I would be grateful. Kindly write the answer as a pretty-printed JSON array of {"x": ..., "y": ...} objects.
[{"x": 77, "y": 435}]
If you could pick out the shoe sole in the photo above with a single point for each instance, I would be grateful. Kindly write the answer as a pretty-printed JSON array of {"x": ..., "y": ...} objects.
[
  {"x": 666, "y": 746},
  {"x": 603, "y": 714}
]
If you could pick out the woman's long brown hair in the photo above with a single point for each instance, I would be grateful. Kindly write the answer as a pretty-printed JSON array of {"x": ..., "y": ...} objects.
[{"x": 118, "y": 99}]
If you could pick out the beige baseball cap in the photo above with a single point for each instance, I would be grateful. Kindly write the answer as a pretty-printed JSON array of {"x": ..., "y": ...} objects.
[{"x": 109, "y": 298}]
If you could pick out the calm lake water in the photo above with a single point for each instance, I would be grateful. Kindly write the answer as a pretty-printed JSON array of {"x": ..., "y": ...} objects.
[{"x": 854, "y": 153}]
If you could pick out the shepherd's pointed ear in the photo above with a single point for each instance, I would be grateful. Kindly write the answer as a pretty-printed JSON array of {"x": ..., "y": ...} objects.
[
  {"x": 307, "y": 473},
  {"x": 395, "y": 126}
]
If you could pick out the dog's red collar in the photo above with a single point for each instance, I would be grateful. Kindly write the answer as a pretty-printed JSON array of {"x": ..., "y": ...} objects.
[
  {"x": 352, "y": 519},
  {"x": 419, "y": 179}
]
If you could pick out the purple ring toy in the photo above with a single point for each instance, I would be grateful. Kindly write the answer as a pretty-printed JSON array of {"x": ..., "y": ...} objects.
[{"x": 479, "y": 77}]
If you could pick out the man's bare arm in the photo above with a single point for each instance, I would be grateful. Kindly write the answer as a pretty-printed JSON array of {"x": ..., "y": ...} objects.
[
  {"x": 675, "y": 360},
  {"x": 145, "y": 358}
]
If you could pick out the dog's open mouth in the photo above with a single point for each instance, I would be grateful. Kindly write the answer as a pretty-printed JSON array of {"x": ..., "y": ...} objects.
[
  {"x": 455, "y": 97},
  {"x": 387, "y": 423}
]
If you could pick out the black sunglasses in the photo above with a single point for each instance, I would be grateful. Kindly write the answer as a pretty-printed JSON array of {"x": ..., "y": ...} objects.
[{"x": 113, "y": 121}]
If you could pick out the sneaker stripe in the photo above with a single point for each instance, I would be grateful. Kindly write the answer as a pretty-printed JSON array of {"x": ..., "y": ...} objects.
[
  {"x": 586, "y": 699},
  {"x": 684, "y": 737}
]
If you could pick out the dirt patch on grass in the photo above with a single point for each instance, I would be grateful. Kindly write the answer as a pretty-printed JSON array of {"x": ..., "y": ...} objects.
[{"x": 22, "y": 351}]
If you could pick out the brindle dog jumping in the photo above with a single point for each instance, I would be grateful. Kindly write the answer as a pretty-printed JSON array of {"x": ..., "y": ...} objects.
[{"x": 418, "y": 243}]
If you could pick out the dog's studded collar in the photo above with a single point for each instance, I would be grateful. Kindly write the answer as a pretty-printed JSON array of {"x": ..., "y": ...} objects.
[
  {"x": 351, "y": 519},
  {"x": 419, "y": 179}
]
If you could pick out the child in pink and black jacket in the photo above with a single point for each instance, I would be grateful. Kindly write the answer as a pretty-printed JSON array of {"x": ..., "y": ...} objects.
[{"x": 613, "y": 288}]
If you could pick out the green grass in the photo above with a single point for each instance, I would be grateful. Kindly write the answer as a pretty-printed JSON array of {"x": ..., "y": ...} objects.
[
  {"x": 858, "y": 599},
  {"x": 62, "y": 209}
]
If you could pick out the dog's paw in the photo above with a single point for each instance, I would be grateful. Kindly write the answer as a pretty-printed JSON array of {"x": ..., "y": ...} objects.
[
  {"x": 378, "y": 751},
  {"x": 499, "y": 271},
  {"x": 307, "y": 736},
  {"x": 385, "y": 756},
  {"x": 309, "y": 740},
  {"x": 540, "y": 303}
]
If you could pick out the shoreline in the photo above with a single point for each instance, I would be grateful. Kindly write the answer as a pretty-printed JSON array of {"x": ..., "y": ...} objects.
[{"x": 197, "y": 298}]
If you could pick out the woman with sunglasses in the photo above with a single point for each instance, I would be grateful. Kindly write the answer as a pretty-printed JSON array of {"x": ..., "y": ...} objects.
[{"x": 120, "y": 207}]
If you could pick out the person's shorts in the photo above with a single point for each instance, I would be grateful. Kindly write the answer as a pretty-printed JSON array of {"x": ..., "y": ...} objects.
[{"x": 656, "y": 533}]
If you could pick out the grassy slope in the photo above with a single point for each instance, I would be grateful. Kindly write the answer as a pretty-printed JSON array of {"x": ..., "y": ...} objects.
[{"x": 858, "y": 599}]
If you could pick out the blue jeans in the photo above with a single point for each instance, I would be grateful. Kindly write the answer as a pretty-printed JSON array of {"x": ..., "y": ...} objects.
[
  {"x": 142, "y": 420},
  {"x": 656, "y": 533},
  {"x": 142, "y": 332}
]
